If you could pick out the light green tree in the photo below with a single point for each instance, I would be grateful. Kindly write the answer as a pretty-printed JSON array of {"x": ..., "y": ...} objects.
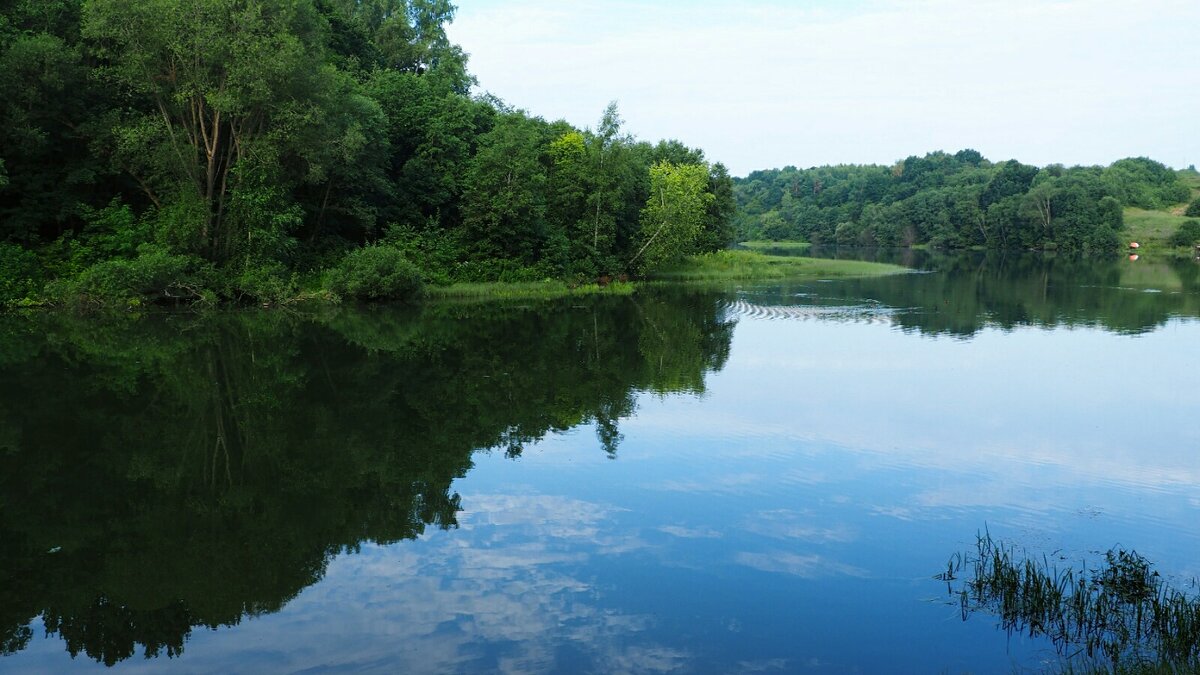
[{"x": 674, "y": 215}]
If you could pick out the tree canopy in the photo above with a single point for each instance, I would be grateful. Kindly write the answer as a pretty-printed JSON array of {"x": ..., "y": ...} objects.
[
  {"x": 953, "y": 200},
  {"x": 239, "y": 149}
]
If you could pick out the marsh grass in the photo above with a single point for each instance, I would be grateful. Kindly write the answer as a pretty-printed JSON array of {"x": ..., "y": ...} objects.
[
  {"x": 1118, "y": 618},
  {"x": 748, "y": 265},
  {"x": 535, "y": 290},
  {"x": 763, "y": 246}
]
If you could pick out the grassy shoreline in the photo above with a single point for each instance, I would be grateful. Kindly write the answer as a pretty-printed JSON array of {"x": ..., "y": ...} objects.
[
  {"x": 761, "y": 246},
  {"x": 532, "y": 290},
  {"x": 752, "y": 266},
  {"x": 722, "y": 266},
  {"x": 710, "y": 267}
]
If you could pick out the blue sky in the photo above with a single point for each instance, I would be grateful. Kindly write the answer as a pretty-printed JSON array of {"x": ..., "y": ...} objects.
[{"x": 767, "y": 84}]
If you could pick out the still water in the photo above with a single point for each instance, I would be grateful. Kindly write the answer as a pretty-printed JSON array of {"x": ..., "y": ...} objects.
[{"x": 755, "y": 479}]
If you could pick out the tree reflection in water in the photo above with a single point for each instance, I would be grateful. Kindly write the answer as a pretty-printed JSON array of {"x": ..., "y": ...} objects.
[{"x": 172, "y": 472}]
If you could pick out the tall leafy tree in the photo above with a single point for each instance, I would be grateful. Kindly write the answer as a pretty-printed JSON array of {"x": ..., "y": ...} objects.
[
  {"x": 224, "y": 85},
  {"x": 48, "y": 112},
  {"x": 504, "y": 205},
  {"x": 674, "y": 214}
]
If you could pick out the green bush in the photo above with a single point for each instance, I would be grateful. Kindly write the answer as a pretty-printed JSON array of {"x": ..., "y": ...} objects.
[
  {"x": 1102, "y": 239},
  {"x": 155, "y": 275},
  {"x": 375, "y": 273},
  {"x": 437, "y": 249},
  {"x": 267, "y": 282},
  {"x": 1188, "y": 234},
  {"x": 20, "y": 274},
  {"x": 1193, "y": 209}
]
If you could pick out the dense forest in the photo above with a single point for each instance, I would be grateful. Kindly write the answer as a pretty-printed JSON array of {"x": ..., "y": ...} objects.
[
  {"x": 955, "y": 200},
  {"x": 254, "y": 150}
]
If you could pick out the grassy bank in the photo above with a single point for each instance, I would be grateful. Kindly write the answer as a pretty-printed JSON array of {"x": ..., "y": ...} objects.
[
  {"x": 712, "y": 267},
  {"x": 775, "y": 245},
  {"x": 535, "y": 290},
  {"x": 720, "y": 266},
  {"x": 748, "y": 266},
  {"x": 1151, "y": 229}
]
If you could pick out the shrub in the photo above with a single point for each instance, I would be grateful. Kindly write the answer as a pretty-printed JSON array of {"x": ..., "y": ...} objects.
[
  {"x": 1187, "y": 234},
  {"x": 436, "y": 249},
  {"x": 20, "y": 274},
  {"x": 267, "y": 282},
  {"x": 1193, "y": 209},
  {"x": 155, "y": 275},
  {"x": 1102, "y": 239},
  {"x": 375, "y": 273}
]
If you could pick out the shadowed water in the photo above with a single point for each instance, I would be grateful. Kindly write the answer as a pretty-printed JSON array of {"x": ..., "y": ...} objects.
[{"x": 759, "y": 479}]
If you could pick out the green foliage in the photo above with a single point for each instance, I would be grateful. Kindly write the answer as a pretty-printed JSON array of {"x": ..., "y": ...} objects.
[
  {"x": 952, "y": 201},
  {"x": 675, "y": 214},
  {"x": 434, "y": 250},
  {"x": 153, "y": 276},
  {"x": 269, "y": 137},
  {"x": 1145, "y": 183},
  {"x": 378, "y": 272},
  {"x": 21, "y": 275},
  {"x": 267, "y": 283},
  {"x": 504, "y": 205},
  {"x": 1193, "y": 209},
  {"x": 1188, "y": 234}
]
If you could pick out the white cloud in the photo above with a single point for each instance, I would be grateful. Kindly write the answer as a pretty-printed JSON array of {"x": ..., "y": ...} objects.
[
  {"x": 1077, "y": 81},
  {"x": 810, "y": 566}
]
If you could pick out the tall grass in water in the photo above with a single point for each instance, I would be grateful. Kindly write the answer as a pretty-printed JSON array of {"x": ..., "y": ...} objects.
[{"x": 1118, "y": 618}]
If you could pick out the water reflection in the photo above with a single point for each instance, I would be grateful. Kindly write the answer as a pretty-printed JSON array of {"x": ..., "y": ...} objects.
[
  {"x": 338, "y": 490},
  {"x": 175, "y": 472},
  {"x": 962, "y": 293}
]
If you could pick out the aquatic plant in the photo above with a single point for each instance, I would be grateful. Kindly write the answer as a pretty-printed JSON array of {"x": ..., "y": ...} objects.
[{"x": 1120, "y": 617}]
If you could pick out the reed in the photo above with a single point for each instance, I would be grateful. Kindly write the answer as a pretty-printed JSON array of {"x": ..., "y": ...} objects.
[{"x": 1118, "y": 618}]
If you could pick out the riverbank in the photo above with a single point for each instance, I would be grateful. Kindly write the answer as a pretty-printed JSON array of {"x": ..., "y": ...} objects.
[
  {"x": 719, "y": 266},
  {"x": 762, "y": 246},
  {"x": 750, "y": 266},
  {"x": 712, "y": 267}
]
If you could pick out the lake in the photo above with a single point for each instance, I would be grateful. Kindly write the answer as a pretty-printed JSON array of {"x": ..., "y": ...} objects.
[{"x": 756, "y": 479}]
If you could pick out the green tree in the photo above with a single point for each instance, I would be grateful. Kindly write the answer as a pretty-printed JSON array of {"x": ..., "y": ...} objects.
[
  {"x": 674, "y": 215},
  {"x": 718, "y": 230},
  {"x": 504, "y": 204},
  {"x": 225, "y": 82}
]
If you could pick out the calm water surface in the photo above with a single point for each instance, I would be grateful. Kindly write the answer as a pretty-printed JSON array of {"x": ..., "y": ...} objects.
[{"x": 762, "y": 479}]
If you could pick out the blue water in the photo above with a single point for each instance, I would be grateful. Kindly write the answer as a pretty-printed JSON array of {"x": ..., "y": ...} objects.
[{"x": 787, "y": 515}]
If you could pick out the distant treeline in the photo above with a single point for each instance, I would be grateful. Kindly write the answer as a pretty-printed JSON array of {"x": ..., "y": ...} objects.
[
  {"x": 247, "y": 150},
  {"x": 953, "y": 201}
]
